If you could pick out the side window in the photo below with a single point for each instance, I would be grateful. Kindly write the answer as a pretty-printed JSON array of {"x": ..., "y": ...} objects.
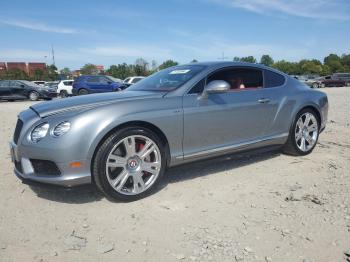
[
  {"x": 273, "y": 79},
  {"x": 104, "y": 80},
  {"x": 135, "y": 80},
  {"x": 198, "y": 88},
  {"x": 127, "y": 80},
  {"x": 93, "y": 79},
  {"x": 239, "y": 78},
  {"x": 68, "y": 83},
  {"x": 14, "y": 84},
  {"x": 4, "y": 83}
]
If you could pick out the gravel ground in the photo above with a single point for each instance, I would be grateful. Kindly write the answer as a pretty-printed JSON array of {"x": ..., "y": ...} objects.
[{"x": 257, "y": 207}]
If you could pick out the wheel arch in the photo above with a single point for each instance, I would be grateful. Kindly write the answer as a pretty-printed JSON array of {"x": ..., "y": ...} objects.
[
  {"x": 136, "y": 123},
  {"x": 313, "y": 108}
]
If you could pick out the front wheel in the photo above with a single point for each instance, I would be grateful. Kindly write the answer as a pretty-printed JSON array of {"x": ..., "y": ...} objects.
[
  {"x": 83, "y": 92},
  {"x": 129, "y": 164},
  {"x": 315, "y": 85},
  {"x": 33, "y": 96},
  {"x": 303, "y": 134}
]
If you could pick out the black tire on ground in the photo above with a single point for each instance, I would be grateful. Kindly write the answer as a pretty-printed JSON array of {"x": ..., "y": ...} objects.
[
  {"x": 315, "y": 85},
  {"x": 290, "y": 147},
  {"x": 63, "y": 94},
  {"x": 83, "y": 91},
  {"x": 101, "y": 155},
  {"x": 33, "y": 96},
  {"x": 347, "y": 84}
]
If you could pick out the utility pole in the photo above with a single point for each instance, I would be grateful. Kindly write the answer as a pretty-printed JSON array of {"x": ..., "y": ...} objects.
[
  {"x": 223, "y": 57},
  {"x": 53, "y": 55}
]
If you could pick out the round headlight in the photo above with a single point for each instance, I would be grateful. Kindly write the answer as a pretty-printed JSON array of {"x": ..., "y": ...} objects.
[
  {"x": 61, "y": 129},
  {"x": 39, "y": 132}
]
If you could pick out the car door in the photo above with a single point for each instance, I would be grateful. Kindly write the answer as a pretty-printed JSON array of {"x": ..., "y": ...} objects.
[
  {"x": 106, "y": 84},
  {"x": 93, "y": 84},
  {"x": 5, "y": 89},
  {"x": 226, "y": 119},
  {"x": 18, "y": 89}
]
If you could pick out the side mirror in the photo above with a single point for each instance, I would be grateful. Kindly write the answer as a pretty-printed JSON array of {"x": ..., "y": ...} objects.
[
  {"x": 109, "y": 82},
  {"x": 23, "y": 86},
  {"x": 216, "y": 86}
]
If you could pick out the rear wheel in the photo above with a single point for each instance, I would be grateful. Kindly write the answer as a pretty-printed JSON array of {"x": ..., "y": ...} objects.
[
  {"x": 63, "y": 94},
  {"x": 83, "y": 91},
  {"x": 33, "y": 96},
  {"x": 315, "y": 85},
  {"x": 129, "y": 164},
  {"x": 304, "y": 133}
]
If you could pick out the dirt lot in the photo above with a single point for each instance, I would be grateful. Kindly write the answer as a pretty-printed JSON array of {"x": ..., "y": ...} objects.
[{"x": 260, "y": 207}]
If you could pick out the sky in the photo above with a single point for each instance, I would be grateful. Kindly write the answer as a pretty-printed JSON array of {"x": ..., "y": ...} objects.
[{"x": 111, "y": 32}]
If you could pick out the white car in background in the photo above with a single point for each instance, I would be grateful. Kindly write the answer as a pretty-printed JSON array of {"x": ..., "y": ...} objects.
[
  {"x": 64, "y": 88},
  {"x": 40, "y": 83},
  {"x": 132, "y": 80}
]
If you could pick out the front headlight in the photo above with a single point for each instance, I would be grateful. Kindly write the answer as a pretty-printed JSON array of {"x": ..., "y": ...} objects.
[
  {"x": 61, "y": 129},
  {"x": 39, "y": 132}
]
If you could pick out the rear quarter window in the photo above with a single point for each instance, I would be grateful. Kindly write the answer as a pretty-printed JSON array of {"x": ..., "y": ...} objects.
[{"x": 273, "y": 79}]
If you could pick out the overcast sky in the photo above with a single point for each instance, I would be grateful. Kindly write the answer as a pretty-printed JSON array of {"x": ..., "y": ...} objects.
[{"x": 111, "y": 32}]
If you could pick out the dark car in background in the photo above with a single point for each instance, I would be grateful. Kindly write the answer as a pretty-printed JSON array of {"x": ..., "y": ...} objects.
[
  {"x": 335, "y": 81},
  {"x": 22, "y": 89},
  {"x": 89, "y": 84}
]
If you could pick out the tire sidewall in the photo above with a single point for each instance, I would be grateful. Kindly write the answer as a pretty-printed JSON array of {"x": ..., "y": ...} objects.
[
  {"x": 99, "y": 162},
  {"x": 83, "y": 91},
  {"x": 292, "y": 131},
  {"x": 63, "y": 94},
  {"x": 36, "y": 94}
]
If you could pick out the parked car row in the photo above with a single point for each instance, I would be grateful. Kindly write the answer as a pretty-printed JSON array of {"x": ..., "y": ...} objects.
[
  {"x": 83, "y": 85},
  {"x": 22, "y": 89},
  {"x": 335, "y": 80}
]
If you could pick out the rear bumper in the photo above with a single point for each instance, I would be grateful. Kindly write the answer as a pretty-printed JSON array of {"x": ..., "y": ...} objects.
[{"x": 47, "y": 94}]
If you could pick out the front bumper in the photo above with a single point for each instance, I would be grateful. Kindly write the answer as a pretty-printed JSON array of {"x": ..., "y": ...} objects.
[
  {"x": 47, "y": 162},
  {"x": 67, "y": 176},
  {"x": 47, "y": 94}
]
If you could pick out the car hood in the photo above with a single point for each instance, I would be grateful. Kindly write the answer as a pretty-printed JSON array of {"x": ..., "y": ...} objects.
[{"x": 80, "y": 103}]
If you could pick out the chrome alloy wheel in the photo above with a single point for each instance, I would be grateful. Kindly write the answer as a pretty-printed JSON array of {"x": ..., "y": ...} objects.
[
  {"x": 133, "y": 165},
  {"x": 306, "y": 132}
]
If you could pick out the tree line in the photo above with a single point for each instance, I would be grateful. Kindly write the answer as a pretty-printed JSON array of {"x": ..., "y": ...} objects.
[{"x": 330, "y": 64}]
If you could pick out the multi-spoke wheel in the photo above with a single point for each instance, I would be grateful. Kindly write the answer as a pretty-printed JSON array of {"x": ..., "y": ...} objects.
[
  {"x": 129, "y": 163},
  {"x": 303, "y": 134}
]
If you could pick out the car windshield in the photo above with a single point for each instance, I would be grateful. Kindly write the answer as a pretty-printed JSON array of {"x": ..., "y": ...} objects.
[{"x": 168, "y": 79}]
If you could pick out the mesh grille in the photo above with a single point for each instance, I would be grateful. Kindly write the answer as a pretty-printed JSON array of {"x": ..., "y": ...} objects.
[{"x": 45, "y": 168}]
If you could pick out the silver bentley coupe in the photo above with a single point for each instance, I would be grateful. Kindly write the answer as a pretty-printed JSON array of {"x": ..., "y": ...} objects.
[{"x": 123, "y": 142}]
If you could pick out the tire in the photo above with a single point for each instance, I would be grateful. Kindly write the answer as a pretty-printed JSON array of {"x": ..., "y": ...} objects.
[
  {"x": 33, "y": 96},
  {"x": 347, "y": 84},
  {"x": 300, "y": 132},
  {"x": 83, "y": 91},
  {"x": 114, "y": 170},
  {"x": 315, "y": 85},
  {"x": 63, "y": 94}
]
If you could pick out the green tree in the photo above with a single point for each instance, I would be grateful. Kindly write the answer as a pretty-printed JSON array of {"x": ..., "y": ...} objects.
[
  {"x": 39, "y": 74},
  {"x": 89, "y": 69},
  {"x": 168, "y": 63},
  {"x": 16, "y": 73},
  {"x": 52, "y": 73},
  {"x": 141, "y": 67},
  {"x": 333, "y": 61},
  {"x": 65, "y": 72},
  {"x": 266, "y": 60},
  {"x": 121, "y": 71},
  {"x": 287, "y": 67},
  {"x": 248, "y": 59}
]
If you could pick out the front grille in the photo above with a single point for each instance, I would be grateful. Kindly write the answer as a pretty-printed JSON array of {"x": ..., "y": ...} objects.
[
  {"x": 18, "y": 130},
  {"x": 45, "y": 168}
]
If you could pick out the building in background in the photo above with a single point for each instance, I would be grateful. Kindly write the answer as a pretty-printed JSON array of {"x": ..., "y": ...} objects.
[
  {"x": 17, "y": 65},
  {"x": 34, "y": 66}
]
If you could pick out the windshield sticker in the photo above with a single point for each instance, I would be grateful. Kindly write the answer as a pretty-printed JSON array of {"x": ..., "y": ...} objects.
[{"x": 183, "y": 71}]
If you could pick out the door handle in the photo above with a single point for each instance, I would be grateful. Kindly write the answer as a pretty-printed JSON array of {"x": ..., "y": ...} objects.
[{"x": 264, "y": 100}]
